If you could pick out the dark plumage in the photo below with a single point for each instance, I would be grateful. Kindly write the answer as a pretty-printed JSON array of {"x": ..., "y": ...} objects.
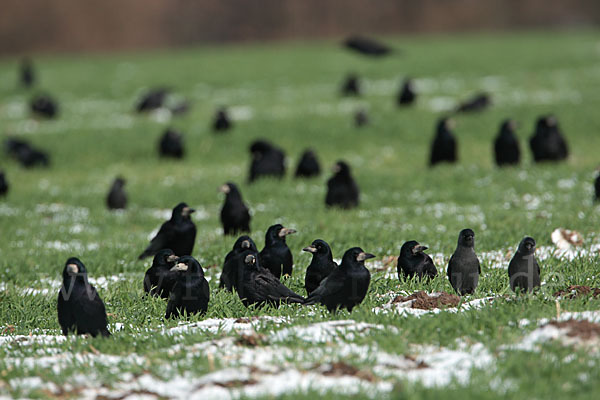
[
  {"x": 367, "y": 46},
  {"x": 320, "y": 266},
  {"x": 233, "y": 267},
  {"x": 597, "y": 187},
  {"x": 351, "y": 86},
  {"x": 506, "y": 145},
  {"x": 152, "y": 100},
  {"x": 276, "y": 255},
  {"x": 267, "y": 160},
  {"x": 347, "y": 285},
  {"x": 3, "y": 184},
  {"x": 27, "y": 156},
  {"x": 342, "y": 190},
  {"x": 258, "y": 286},
  {"x": 27, "y": 74},
  {"x": 407, "y": 94},
  {"x": 222, "y": 122},
  {"x": 191, "y": 293},
  {"x": 171, "y": 144},
  {"x": 361, "y": 118},
  {"x": 181, "y": 108},
  {"x": 80, "y": 308},
  {"x": 443, "y": 148},
  {"x": 44, "y": 106},
  {"x": 413, "y": 262},
  {"x": 478, "y": 102},
  {"x": 548, "y": 143},
  {"x": 177, "y": 234},
  {"x": 308, "y": 166},
  {"x": 235, "y": 216},
  {"x": 463, "y": 267},
  {"x": 523, "y": 270},
  {"x": 117, "y": 198},
  {"x": 159, "y": 279}
]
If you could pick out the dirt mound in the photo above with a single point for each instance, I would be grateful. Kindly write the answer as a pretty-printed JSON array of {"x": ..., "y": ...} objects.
[
  {"x": 575, "y": 291},
  {"x": 340, "y": 368},
  {"x": 428, "y": 302},
  {"x": 251, "y": 340},
  {"x": 583, "y": 329}
]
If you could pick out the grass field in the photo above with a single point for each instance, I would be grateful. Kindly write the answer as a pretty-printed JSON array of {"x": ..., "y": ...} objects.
[{"x": 289, "y": 93}]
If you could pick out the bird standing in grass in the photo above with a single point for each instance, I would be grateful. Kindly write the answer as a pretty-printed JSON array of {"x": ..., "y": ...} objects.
[
  {"x": 407, "y": 94},
  {"x": 464, "y": 267},
  {"x": 523, "y": 270},
  {"x": 347, "y": 285},
  {"x": 367, "y": 46},
  {"x": 152, "y": 100},
  {"x": 235, "y": 216},
  {"x": 267, "y": 160},
  {"x": 342, "y": 190},
  {"x": 222, "y": 122},
  {"x": 171, "y": 144},
  {"x": 44, "y": 106},
  {"x": 351, "y": 86},
  {"x": 443, "y": 148},
  {"x": 361, "y": 118},
  {"x": 177, "y": 234},
  {"x": 597, "y": 187},
  {"x": 506, "y": 145},
  {"x": 117, "y": 198},
  {"x": 80, "y": 308},
  {"x": 478, "y": 102},
  {"x": 320, "y": 266},
  {"x": 191, "y": 293},
  {"x": 276, "y": 255},
  {"x": 27, "y": 155},
  {"x": 233, "y": 267},
  {"x": 548, "y": 143},
  {"x": 3, "y": 184},
  {"x": 159, "y": 279},
  {"x": 27, "y": 73},
  {"x": 308, "y": 166},
  {"x": 413, "y": 262}
]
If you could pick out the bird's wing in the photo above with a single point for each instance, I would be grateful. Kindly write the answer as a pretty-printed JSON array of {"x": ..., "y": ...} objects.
[
  {"x": 91, "y": 307},
  {"x": 174, "y": 300},
  {"x": 329, "y": 286},
  {"x": 272, "y": 289},
  {"x": 429, "y": 267},
  {"x": 65, "y": 317},
  {"x": 159, "y": 241}
]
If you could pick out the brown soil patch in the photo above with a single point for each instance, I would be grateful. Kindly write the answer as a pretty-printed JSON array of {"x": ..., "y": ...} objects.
[
  {"x": 340, "y": 368},
  {"x": 575, "y": 291},
  {"x": 573, "y": 237},
  {"x": 245, "y": 320},
  {"x": 236, "y": 383},
  {"x": 426, "y": 302},
  {"x": 420, "y": 364},
  {"x": 585, "y": 330},
  {"x": 251, "y": 340}
]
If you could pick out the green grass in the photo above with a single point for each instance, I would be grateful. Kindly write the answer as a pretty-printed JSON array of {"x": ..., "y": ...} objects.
[{"x": 292, "y": 93}]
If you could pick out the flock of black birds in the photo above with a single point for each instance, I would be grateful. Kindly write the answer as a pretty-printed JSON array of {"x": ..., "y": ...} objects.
[{"x": 256, "y": 276}]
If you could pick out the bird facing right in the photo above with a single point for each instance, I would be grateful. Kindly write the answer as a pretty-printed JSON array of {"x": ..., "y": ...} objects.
[
  {"x": 320, "y": 266},
  {"x": 506, "y": 145},
  {"x": 177, "y": 234},
  {"x": 191, "y": 293},
  {"x": 413, "y": 262},
  {"x": 443, "y": 148},
  {"x": 524, "y": 270},
  {"x": 117, "y": 198},
  {"x": 342, "y": 190},
  {"x": 464, "y": 267},
  {"x": 235, "y": 216},
  {"x": 44, "y": 106}
]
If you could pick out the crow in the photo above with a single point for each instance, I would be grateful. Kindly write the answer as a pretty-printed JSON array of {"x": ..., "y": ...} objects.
[
  {"x": 177, "y": 234},
  {"x": 117, "y": 198},
  {"x": 152, "y": 100},
  {"x": 407, "y": 94},
  {"x": 443, "y": 148},
  {"x": 361, "y": 118},
  {"x": 276, "y": 255},
  {"x": 3, "y": 184},
  {"x": 233, "y": 267},
  {"x": 464, "y": 268},
  {"x": 367, "y": 46},
  {"x": 351, "y": 86},
  {"x": 25, "y": 154},
  {"x": 548, "y": 143},
  {"x": 27, "y": 73},
  {"x": 342, "y": 190},
  {"x": 308, "y": 166},
  {"x": 44, "y": 106},
  {"x": 159, "y": 279},
  {"x": 222, "y": 122},
  {"x": 80, "y": 308},
  {"x": 413, "y": 262},
  {"x": 347, "y": 285},
  {"x": 267, "y": 160},
  {"x": 523, "y": 269},
  {"x": 321, "y": 265},
  {"x": 597, "y": 187},
  {"x": 191, "y": 293},
  {"x": 478, "y": 102},
  {"x": 235, "y": 216},
  {"x": 171, "y": 144},
  {"x": 506, "y": 146}
]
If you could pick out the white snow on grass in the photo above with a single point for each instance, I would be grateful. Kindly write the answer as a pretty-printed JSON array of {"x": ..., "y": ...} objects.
[
  {"x": 405, "y": 308},
  {"x": 225, "y": 325},
  {"x": 325, "y": 332}
]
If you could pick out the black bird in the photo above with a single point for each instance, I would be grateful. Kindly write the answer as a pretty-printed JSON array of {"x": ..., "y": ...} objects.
[
  {"x": 177, "y": 234},
  {"x": 180, "y": 108},
  {"x": 320, "y": 266},
  {"x": 267, "y": 160},
  {"x": 222, "y": 122},
  {"x": 524, "y": 270},
  {"x": 171, "y": 144},
  {"x": 347, "y": 285},
  {"x": 27, "y": 74},
  {"x": 159, "y": 279},
  {"x": 152, "y": 100},
  {"x": 308, "y": 166},
  {"x": 361, "y": 118},
  {"x": 479, "y": 102},
  {"x": 548, "y": 143},
  {"x": 233, "y": 267},
  {"x": 443, "y": 148},
  {"x": 506, "y": 146},
  {"x": 463, "y": 267},
  {"x": 235, "y": 216},
  {"x": 342, "y": 190},
  {"x": 117, "y": 198},
  {"x": 80, "y": 308},
  {"x": 351, "y": 86},
  {"x": 407, "y": 94},
  {"x": 597, "y": 187},
  {"x": 3, "y": 184},
  {"x": 44, "y": 106},
  {"x": 258, "y": 286},
  {"x": 191, "y": 292},
  {"x": 414, "y": 262},
  {"x": 367, "y": 46},
  {"x": 27, "y": 156},
  {"x": 276, "y": 255}
]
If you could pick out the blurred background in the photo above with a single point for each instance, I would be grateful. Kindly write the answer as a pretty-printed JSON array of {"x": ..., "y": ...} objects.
[{"x": 30, "y": 26}]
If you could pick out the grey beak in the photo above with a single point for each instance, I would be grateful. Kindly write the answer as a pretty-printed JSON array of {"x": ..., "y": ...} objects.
[
  {"x": 246, "y": 244},
  {"x": 310, "y": 249},
  {"x": 180, "y": 267},
  {"x": 72, "y": 269},
  {"x": 224, "y": 189},
  {"x": 286, "y": 231},
  {"x": 250, "y": 259},
  {"x": 172, "y": 258},
  {"x": 364, "y": 256},
  {"x": 419, "y": 249}
]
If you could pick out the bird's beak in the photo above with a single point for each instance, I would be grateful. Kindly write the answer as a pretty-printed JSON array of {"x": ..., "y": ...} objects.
[
  {"x": 72, "y": 269},
  {"x": 336, "y": 168},
  {"x": 419, "y": 249},
  {"x": 250, "y": 259},
  {"x": 450, "y": 124},
  {"x": 224, "y": 189},
  {"x": 364, "y": 256},
  {"x": 172, "y": 258},
  {"x": 310, "y": 249},
  {"x": 180, "y": 267},
  {"x": 187, "y": 211},
  {"x": 246, "y": 244},
  {"x": 286, "y": 231}
]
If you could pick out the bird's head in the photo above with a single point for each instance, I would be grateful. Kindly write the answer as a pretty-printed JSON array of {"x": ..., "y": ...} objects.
[
  {"x": 182, "y": 211},
  {"x": 412, "y": 248},
  {"x": 244, "y": 242},
  {"x": 188, "y": 265},
  {"x": 466, "y": 238},
  {"x": 74, "y": 268},
  {"x": 318, "y": 246},
  {"x": 527, "y": 246},
  {"x": 355, "y": 255},
  {"x": 165, "y": 258},
  {"x": 250, "y": 259},
  {"x": 341, "y": 168}
]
